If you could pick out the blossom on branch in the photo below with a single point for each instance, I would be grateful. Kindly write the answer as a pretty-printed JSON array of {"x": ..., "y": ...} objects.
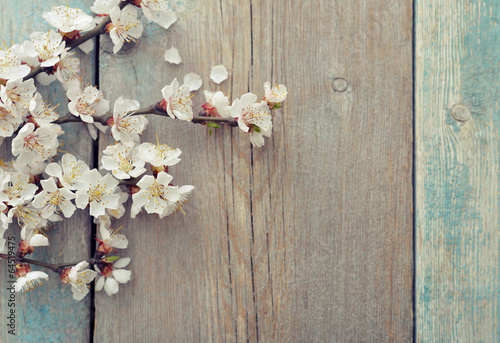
[
  {"x": 274, "y": 95},
  {"x": 112, "y": 275},
  {"x": 29, "y": 281},
  {"x": 122, "y": 159},
  {"x": 110, "y": 240},
  {"x": 41, "y": 113},
  {"x": 48, "y": 46},
  {"x": 177, "y": 101},
  {"x": 51, "y": 198},
  {"x": 155, "y": 194},
  {"x": 67, "y": 19},
  {"x": 87, "y": 103},
  {"x": 78, "y": 277},
  {"x": 125, "y": 126},
  {"x": 35, "y": 146},
  {"x": 10, "y": 120},
  {"x": 172, "y": 207},
  {"x": 159, "y": 155},
  {"x": 31, "y": 239},
  {"x": 69, "y": 172},
  {"x": 11, "y": 67},
  {"x": 17, "y": 94},
  {"x": 98, "y": 192},
  {"x": 124, "y": 26},
  {"x": 217, "y": 104}
]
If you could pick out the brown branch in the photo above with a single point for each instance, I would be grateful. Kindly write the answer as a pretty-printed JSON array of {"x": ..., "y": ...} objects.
[
  {"x": 153, "y": 109},
  {"x": 56, "y": 268}
]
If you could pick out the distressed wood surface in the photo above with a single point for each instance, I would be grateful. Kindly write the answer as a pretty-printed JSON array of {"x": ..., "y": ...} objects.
[
  {"x": 458, "y": 188},
  {"x": 49, "y": 313},
  {"x": 306, "y": 239}
]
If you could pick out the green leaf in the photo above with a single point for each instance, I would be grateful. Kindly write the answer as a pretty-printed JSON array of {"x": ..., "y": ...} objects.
[
  {"x": 111, "y": 259},
  {"x": 256, "y": 128},
  {"x": 212, "y": 124},
  {"x": 209, "y": 132},
  {"x": 276, "y": 106}
]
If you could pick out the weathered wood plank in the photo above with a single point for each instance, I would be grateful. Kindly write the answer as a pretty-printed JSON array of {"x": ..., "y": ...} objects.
[
  {"x": 458, "y": 185},
  {"x": 49, "y": 313},
  {"x": 307, "y": 239}
]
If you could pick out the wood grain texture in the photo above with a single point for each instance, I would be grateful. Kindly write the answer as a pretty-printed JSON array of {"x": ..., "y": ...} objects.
[
  {"x": 307, "y": 239},
  {"x": 458, "y": 188},
  {"x": 49, "y": 313}
]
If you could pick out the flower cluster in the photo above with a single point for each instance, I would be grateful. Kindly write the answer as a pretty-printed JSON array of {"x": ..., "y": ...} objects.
[{"x": 40, "y": 186}]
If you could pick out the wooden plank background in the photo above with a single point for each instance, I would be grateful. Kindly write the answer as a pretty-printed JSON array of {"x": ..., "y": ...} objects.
[
  {"x": 49, "y": 314},
  {"x": 458, "y": 184},
  {"x": 311, "y": 237},
  {"x": 307, "y": 239}
]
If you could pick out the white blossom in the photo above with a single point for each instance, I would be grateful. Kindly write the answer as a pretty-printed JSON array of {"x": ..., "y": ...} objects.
[
  {"x": 69, "y": 171},
  {"x": 111, "y": 239},
  {"x": 42, "y": 113},
  {"x": 257, "y": 138},
  {"x": 11, "y": 67},
  {"x": 35, "y": 146},
  {"x": 105, "y": 219},
  {"x": 68, "y": 67},
  {"x": 159, "y": 155},
  {"x": 219, "y": 102},
  {"x": 98, "y": 192},
  {"x": 67, "y": 19},
  {"x": 124, "y": 26},
  {"x": 172, "y": 207},
  {"x": 32, "y": 238},
  {"x": 122, "y": 159},
  {"x": 276, "y": 94},
  {"x": 103, "y": 7},
  {"x": 51, "y": 198},
  {"x": 155, "y": 194},
  {"x": 113, "y": 275},
  {"x": 158, "y": 11},
  {"x": 29, "y": 217},
  {"x": 177, "y": 101},
  {"x": 79, "y": 277},
  {"x": 87, "y": 103},
  {"x": 30, "y": 281},
  {"x": 218, "y": 73},
  {"x": 10, "y": 120},
  {"x": 250, "y": 113},
  {"x": 125, "y": 126},
  {"x": 48, "y": 47},
  {"x": 16, "y": 188},
  {"x": 17, "y": 94}
]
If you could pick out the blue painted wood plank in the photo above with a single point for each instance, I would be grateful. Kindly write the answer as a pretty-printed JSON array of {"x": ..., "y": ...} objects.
[
  {"x": 49, "y": 313},
  {"x": 457, "y": 173}
]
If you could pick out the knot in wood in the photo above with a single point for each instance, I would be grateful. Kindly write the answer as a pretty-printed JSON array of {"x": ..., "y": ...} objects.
[
  {"x": 460, "y": 113},
  {"x": 339, "y": 85}
]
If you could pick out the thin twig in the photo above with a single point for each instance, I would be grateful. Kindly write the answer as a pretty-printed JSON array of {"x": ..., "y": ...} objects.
[
  {"x": 56, "y": 268},
  {"x": 153, "y": 109}
]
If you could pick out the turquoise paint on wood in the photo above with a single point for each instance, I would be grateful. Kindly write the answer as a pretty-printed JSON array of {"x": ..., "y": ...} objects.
[
  {"x": 49, "y": 313},
  {"x": 457, "y": 172}
]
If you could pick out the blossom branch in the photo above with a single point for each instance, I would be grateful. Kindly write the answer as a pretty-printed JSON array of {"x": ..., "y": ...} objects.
[
  {"x": 54, "y": 267},
  {"x": 153, "y": 109},
  {"x": 96, "y": 31}
]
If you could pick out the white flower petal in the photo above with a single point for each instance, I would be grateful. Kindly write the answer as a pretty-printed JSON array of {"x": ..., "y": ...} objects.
[
  {"x": 172, "y": 56},
  {"x": 193, "y": 81},
  {"x": 219, "y": 73}
]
